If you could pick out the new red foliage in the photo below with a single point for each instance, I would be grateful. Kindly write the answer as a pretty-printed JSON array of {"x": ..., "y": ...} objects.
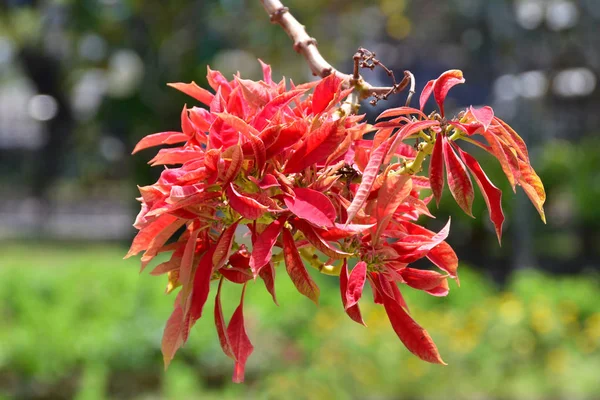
[{"x": 302, "y": 176}]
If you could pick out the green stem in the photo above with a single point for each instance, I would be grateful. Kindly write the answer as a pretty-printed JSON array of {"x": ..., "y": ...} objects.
[
  {"x": 313, "y": 260},
  {"x": 416, "y": 165},
  {"x": 456, "y": 135}
]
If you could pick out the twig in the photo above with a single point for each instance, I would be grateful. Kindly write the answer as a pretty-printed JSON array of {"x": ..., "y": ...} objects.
[
  {"x": 303, "y": 43},
  {"x": 307, "y": 46}
]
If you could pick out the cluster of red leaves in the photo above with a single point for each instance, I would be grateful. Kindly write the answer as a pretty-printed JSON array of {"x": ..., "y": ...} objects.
[{"x": 268, "y": 174}]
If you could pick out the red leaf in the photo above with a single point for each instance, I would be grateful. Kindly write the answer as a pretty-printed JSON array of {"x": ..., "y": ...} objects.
[
  {"x": 318, "y": 242},
  {"x": 257, "y": 94},
  {"x": 195, "y": 91},
  {"x": 511, "y": 157},
  {"x": 201, "y": 287},
  {"x": 422, "y": 279},
  {"x": 405, "y": 132},
  {"x": 185, "y": 269},
  {"x": 441, "y": 255},
  {"x": 425, "y": 94},
  {"x": 383, "y": 288},
  {"x": 237, "y": 159},
  {"x": 342, "y": 231},
  {"x": 483, "y": 115},
  {"x": 266, "y": 68},
  {"x": 272, "y": 107},
  {"x": 395, "y": 112},
  {"x": 240, "y": 259},
  {"x": 200, "y": 198},
  {"x": 491, "y": 194},
  {"x": 250, "y": 133},
  {"x": 223, "y": 247},
  {"x": 394, "y": 191},
  {"x": 201, "y": 119},
  {"x": 296, "y": 269},
  {"x": 159, "y": 241},
  {"x": 246, "y": 206},
  {"x": 312, "y": 206},
  {"x": 440, "y": 291},
  {"x": 240, "y": 343},
  {"x": 268, "y": 181},
  {"x": 166, "y": 266},
  {"x": 445, "y": 259},
  {"x": 175, "y": 155},
  {"x": 368, "y": 179},
  {"x": 468, "y": 128},
  {"x": 498, "y": 152},
  {"x": 160, "y": 138},
  {"x": 386, "y": 287},
  {"x": 316, "y": 147},
  {"x": 341, "y": 150},
  {"x": 269, "y": 135},
  {"x": 220, "y": 325},
  {"x": 533, "y": 187},
  {"x": 267, "y": 274},
  {"x": 172, "y": 336},
  {"x": 377, "y": 292},
  {"x": 212, "y": 160},
  {"x": 150, "y": 233},
  {"x": 436, "y": 170},
  {"x": 356, "y": 283},
  {"x": 443, "y": 84},
  {"x": 518, "y": 144},
  {"x": 263, "y": 246},
  {"x": 458, "y": 179},
  {"x": 437, "y": 238},
  {"x": 218, "y": 104},
  {"x": 186, "y": 123},
  {"x": 325, "y": 92},
  {"x": 353, "y": 311},
  {"x": 236, "y": 275},
  {"x": 288, "y": 136},
  {"x": 217, "y": 81},
  {"x": 415, "y": 338}
]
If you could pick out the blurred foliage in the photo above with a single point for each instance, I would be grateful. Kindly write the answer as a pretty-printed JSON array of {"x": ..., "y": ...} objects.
[{"x": 78, "y": 324}]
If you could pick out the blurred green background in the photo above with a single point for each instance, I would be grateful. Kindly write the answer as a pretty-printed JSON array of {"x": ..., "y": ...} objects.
[{"x": 82, "y": 81}]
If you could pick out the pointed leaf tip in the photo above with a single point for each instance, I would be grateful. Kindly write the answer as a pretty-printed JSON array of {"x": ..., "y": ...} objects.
[
  {"x": 415, "y": 338},
  {"x": 221, "y": 327},
  {"x": 444, "y": 83},
  {"x": 491, "y": 194},
  {"x": 195, "y": 91},
  {"x": 325, "y": 92},
  {"x": 172, "y": 337},
  {"x": 240, "y": 342},
  {"x": 354, "y": 311},
  {"x": 356, "y": 283}
]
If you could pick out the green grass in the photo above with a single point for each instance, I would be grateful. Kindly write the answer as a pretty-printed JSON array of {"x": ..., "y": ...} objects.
[{"x": 78, "y": 321}]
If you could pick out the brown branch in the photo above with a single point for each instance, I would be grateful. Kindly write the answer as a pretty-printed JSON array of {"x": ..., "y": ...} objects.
[
  {"x": 307, "y": 46},
  {"x": 303, "y": 43}
]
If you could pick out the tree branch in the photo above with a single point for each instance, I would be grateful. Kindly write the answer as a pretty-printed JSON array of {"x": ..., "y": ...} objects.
[{"x": 307, "y": 46}]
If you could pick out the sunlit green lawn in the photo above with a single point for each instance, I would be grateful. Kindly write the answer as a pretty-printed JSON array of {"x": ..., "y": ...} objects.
[{"x": 77, "y": 320}]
